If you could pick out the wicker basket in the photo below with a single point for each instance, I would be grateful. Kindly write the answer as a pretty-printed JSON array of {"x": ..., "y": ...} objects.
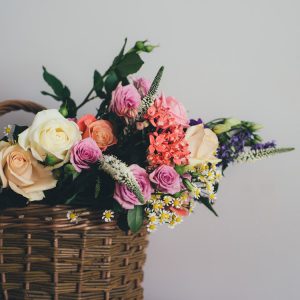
[{"x": 44, "y": 256}]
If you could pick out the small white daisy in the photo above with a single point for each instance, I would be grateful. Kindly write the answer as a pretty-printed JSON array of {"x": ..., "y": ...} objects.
[
  {"x": 7, "y": 130},
  {"x": 73, "y": 216},
  {"x": 151, "y": 227},
  {"x": 108, "y": 215},
  {"x": 152, "y": 218}
]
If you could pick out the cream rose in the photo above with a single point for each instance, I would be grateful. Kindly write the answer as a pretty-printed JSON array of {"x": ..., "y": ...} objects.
[
  {"x": 50, "y": 134},
  {"x": 203, "y": 144},
  {"x": 20, "y": 171}
]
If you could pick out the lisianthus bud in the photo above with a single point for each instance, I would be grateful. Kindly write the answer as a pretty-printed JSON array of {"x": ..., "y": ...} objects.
[
  {"x": 139, "y": 45},
  {"x": 149, "y": 48},
  {"x": 64, "y": 111},
  {"x": 257, "y": 138},
  {"x": 221, "y": 128},
  {"x": 188, "y": 184},
  {"x": 255, "y": 127},
  {"x": 232, "y": 122}
]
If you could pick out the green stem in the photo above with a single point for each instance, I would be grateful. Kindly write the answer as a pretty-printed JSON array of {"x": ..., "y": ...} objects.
[{"x": 86, "y": 100}]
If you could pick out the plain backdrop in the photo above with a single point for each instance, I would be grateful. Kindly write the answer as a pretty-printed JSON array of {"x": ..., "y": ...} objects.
[{"x": 222, "y": 58}]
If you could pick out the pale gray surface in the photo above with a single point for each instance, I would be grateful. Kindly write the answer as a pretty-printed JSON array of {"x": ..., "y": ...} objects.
[{"x": 222, "y": 58}]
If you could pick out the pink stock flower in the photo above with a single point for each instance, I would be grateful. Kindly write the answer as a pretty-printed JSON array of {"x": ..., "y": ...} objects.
[
  {"x": 85, "y": 153},
  {"x": 142, "y": 85},
  {"x": 125, "y": 101},
  {"x": 166, "y": 179},
  {"x": 126, "y": 198}
]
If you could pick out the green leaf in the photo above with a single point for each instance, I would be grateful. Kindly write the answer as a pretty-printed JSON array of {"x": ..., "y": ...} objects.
[
  {"x": 98, "y": 83},
  {"x": 111, "y": 82},
  {"x": 58, "y": 88},
  {"x": 70, "y": 199},
  {"x": 180, "y": 169},
  {"x": 51, "y": 95},
  {"x": 71, "y": 107},
  {"x": 97, "y": 188},
  {"x": 69, "y": 171},
  {"x": 135, "y": 218},
  {"x": 51, "y": 160},
  {"x": 130, "y": 64},
  {"x": 206, "y": 203}
]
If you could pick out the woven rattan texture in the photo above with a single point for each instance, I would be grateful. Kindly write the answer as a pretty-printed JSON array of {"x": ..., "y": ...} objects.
[
  {"x": 14, "y": 105},
  {"x": 44, "y": 256}
]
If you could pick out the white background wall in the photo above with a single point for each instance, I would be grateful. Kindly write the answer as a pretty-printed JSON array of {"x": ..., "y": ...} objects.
[{"x": 223, "y": 58}]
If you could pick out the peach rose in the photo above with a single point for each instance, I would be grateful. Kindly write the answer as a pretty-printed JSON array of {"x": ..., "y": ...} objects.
[
  {"x": 203, "y": 144},
  {"x": 20, "y": 171},
  {"x": 101, "y": 131}
]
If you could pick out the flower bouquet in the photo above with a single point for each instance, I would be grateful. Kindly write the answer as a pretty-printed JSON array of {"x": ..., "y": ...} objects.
[{"x": 137, "y": 163}]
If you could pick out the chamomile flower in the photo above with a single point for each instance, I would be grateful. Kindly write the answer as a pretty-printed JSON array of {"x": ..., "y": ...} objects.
[
  {"x": 184, "y": 196},
  {"x": 177, "y": 203},
  {"x": 7, "y": 130},
  {"x": 218, "y": 175},
  {"x": 148, "y": 211},
  {"x": 212, "y": 197},
  {"x": 168, "y": 200},
  {"x": 73, "y": 216},
  {"x": 158, "y": 205},
  {"x": 197, "y": 192},
  {"x": 178, "y": 219},
  {"x": 152, "y": 218},
  {"x": 164, "y": 217},
  {"x": 151, "y": 227},
  {"x": 108, "y": 215}
]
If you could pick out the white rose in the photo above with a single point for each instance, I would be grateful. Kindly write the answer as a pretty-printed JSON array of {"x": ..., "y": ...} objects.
[
  {"x": 50, "y": 135},
  {"x": 203, "y": 144}
]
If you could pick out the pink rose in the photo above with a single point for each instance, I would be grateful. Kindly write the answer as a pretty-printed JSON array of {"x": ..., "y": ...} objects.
[
  {"x": 125, "y": 101},
  {"x": 142, "y": 85},
  {"x": 176, "y": 109},
  {"x": 167, "y": 180},
  {"x": 127, "y": 198},
  {"x": 85, "y": 153}
]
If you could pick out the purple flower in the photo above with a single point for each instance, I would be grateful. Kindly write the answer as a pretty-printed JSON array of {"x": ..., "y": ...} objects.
[
  {"x": 142, "y": 85},
  {"x": 167, "y": 180},
  {"x": 85, "y": 153},
  {"x": 194, "y": 122},
  {"x": 125, "y": 101},
  {"x": 261, "y": 146},
  {"x": 126, "y": 198},
  {"x": 230, "y": 150}
]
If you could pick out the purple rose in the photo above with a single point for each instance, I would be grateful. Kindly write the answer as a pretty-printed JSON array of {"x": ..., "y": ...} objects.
[
  {"x": 85, "y": 153},
  {"x": 142, "y": 85},
  {"x": 127, "y": 198},
  {"x": 125, "y": 101},
  {"x": 167, "y": 180}
]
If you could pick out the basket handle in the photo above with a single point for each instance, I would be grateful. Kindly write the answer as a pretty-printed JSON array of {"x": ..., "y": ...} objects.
[{"x": 14, "y": 105}]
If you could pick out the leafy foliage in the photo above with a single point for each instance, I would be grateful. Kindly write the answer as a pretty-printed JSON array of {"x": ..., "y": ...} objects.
[{"x": 135, "y": 218}]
